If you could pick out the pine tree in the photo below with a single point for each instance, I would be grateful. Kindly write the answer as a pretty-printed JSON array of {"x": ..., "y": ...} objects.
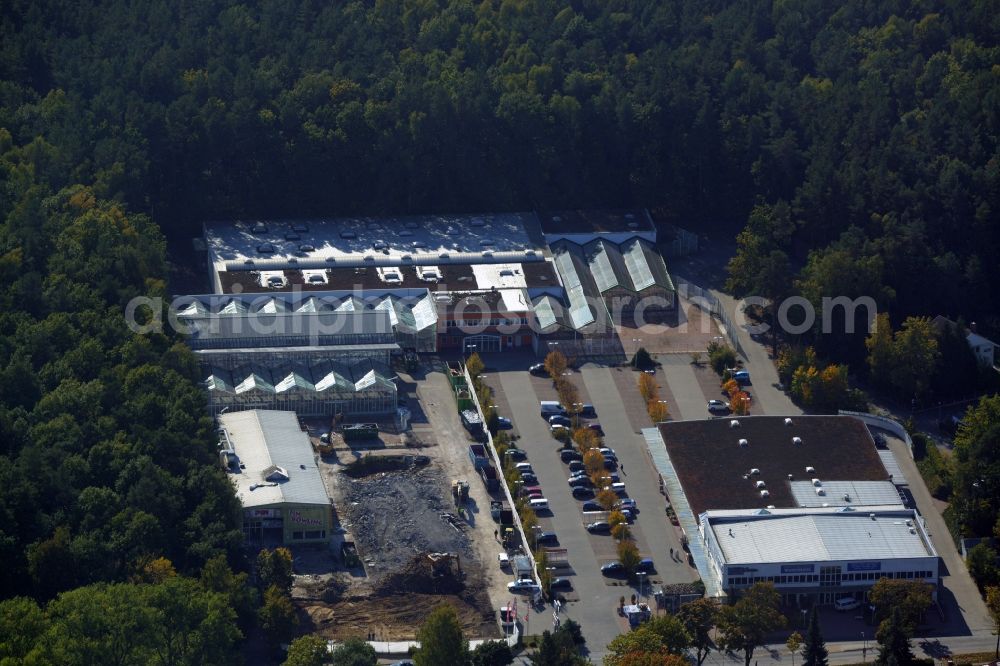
[
  {"x": 894, "y": 644},
  {"x": 814, "y": 647}
]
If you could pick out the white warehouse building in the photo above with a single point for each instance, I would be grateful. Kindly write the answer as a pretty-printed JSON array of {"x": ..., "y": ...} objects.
[{"x": 824, "y": 553}]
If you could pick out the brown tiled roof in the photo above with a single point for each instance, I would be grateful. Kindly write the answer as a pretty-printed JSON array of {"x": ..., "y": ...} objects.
[{"x": 711, "y": 464}]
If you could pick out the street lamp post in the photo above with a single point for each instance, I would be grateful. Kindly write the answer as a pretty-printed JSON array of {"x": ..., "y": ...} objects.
[{"x": 864, "y": 649}]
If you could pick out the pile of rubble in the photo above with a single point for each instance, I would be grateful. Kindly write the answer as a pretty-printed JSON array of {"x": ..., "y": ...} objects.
[{"x": 397, "y": 516}]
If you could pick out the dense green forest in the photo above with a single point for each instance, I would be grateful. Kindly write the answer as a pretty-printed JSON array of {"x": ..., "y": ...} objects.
[
  {"x": 858, "y": 137},
  {"x": 870, "y": 126}
]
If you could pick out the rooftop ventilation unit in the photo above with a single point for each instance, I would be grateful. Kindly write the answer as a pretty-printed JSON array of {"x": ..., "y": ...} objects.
[
  {"x": 405, "y": 233},
  {"x": 847, "y": 497},
  {"x": 790, "y": 477},
  {"x": 380, "y": 245},
  {"x": 419, "y": 243},
  {"x": 788, "y": 422},
  {"x": 408, "y": 258},
  {"x": 755, "y": 471},
  {"x": 331, "y": 260},
  {"x": 410, "y": 224},
  {"x": 487, "y": 255},
  {"x": 300, "y": 227},
  {"x": 913, "y": 530},
  {"x": 760, "y": 484},
  {"x": 485, "y": 242},
  {"x": 744, "y": 443},
  {"x": 348, "y": 234},
  {"x": 477, "y": 223},
  {"x": 817, "y": 483},
  {"x": 765, "y": 494},
  {"x": 265, "y": 248},
  {"x": 820, "y": 491},
  {"x": 444, "y": 255},
  {"x": 872, "y": 516},
  {"x": 771, "y": 506},
  {"x": 810, "y": 470},
  {"x": 909, "y": 523},
  {"x": 556, "y": 218},
  {"x": 797, "y": 441},
  {"x": 734, "y": 423},
  {"x": 260, "y": 228}
]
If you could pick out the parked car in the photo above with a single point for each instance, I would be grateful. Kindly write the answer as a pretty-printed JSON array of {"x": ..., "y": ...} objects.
[
  {"x": 559, "y": 419},
  {"x": 557, "y": 427},
  {"x": 546, "y": 537},
  {"x": 560, "y": 584},
  {"x": 610, "y": 463},
  {"x": 538, "y": 370},
  {"x": 742, "y": 377},
  {"x": 591, "y": 506},
  {"x": 645, "y": 566},
  {"x": 588, "y": 411},
  {"x": 569, "y": 455},
  {"x": 581, "y": 492},
  {"x": 538, "y": 504},
  {"x": 612, "y": 568},
  {"x": 599, "y": 527},
  {"x": 629, "y": 504},
  {"x": 524, "y": 467},
  {"x": 516, "y": 454},
  {"x": 608, "y": 452},
  {"x": 504, "y": 423},
  {"x": 535, "y": 493},
  {"x": 846, "y": 604},
  {"x": 577, "y": 466},
  {"x": 596, "y": 427},
  {"x": 718, "y": 406},
  {"x": 526, "y": 585},
  {"x": 579, "y": 482},
  {"x": 529, "y": 477}
]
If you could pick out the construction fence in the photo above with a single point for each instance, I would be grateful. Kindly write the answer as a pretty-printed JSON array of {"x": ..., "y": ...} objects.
[{"x": 503, "y": 483}]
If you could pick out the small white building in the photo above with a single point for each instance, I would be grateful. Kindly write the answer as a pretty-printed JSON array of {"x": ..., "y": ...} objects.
[
  {"x": 983, "y": 348},
  {"x": 273, "y": 469},
  {"x": 822, "y": 553}
]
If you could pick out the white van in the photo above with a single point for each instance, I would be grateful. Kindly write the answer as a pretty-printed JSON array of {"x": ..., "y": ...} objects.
[
  {"x": 538, "y": 504},
  {"x": 550, "y": 408},
  {"x": 846, "y": 604}
]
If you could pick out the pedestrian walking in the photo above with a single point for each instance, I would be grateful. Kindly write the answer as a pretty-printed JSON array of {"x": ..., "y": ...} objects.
[{"x": 496, "y": 535}]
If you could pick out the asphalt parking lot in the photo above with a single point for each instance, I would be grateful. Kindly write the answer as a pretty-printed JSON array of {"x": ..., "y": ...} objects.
[{"x": 518, "y": 393}]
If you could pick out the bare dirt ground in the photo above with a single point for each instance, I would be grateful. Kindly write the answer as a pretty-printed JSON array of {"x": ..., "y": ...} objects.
[{"x": 396, "y": 511}]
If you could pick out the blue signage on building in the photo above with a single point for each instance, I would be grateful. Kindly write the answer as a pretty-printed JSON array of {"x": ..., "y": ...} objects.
[
  {"x": 797, "y": 568},
  {"x": 864, "y": 566}
]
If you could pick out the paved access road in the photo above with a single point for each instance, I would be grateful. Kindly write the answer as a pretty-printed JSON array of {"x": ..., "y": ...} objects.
[
  {"x": 638, "y": 475},
  {"x": 596, "y": 609}
]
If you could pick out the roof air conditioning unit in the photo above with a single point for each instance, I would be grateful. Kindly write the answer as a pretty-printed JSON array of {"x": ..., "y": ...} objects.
[
  {"x": 872, "y": 516},
  {"x": 817, "y": 483},
  {"x": 820, "y": 491},
  {"x": 734, "y": 423},
  {"x": 765, "y": 494},
  {"x": 790, "y": 477},
  {"x": 788, "y": 421},
  {"x": 744, "y": 443},
  {"x": 797, "y": 441},
  {"x": 755, "y": 471},
  {"x": 760, "y": 484},
  {"x": 810, "y": 470},
  {"x": 847, "y": 498}
]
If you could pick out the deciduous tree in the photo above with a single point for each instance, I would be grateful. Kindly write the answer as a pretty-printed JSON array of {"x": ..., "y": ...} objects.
[
  {"x": 745, "y": 625},
  {"x": 441, "y": 639}
]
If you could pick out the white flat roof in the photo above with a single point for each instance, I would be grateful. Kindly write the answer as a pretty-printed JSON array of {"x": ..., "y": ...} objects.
[
  {"x": 817, "y": 535},
  {"x": 860, "y": 493},
  {"x": 425, "y": 239},
  {"x": 264, "y": 439}
]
